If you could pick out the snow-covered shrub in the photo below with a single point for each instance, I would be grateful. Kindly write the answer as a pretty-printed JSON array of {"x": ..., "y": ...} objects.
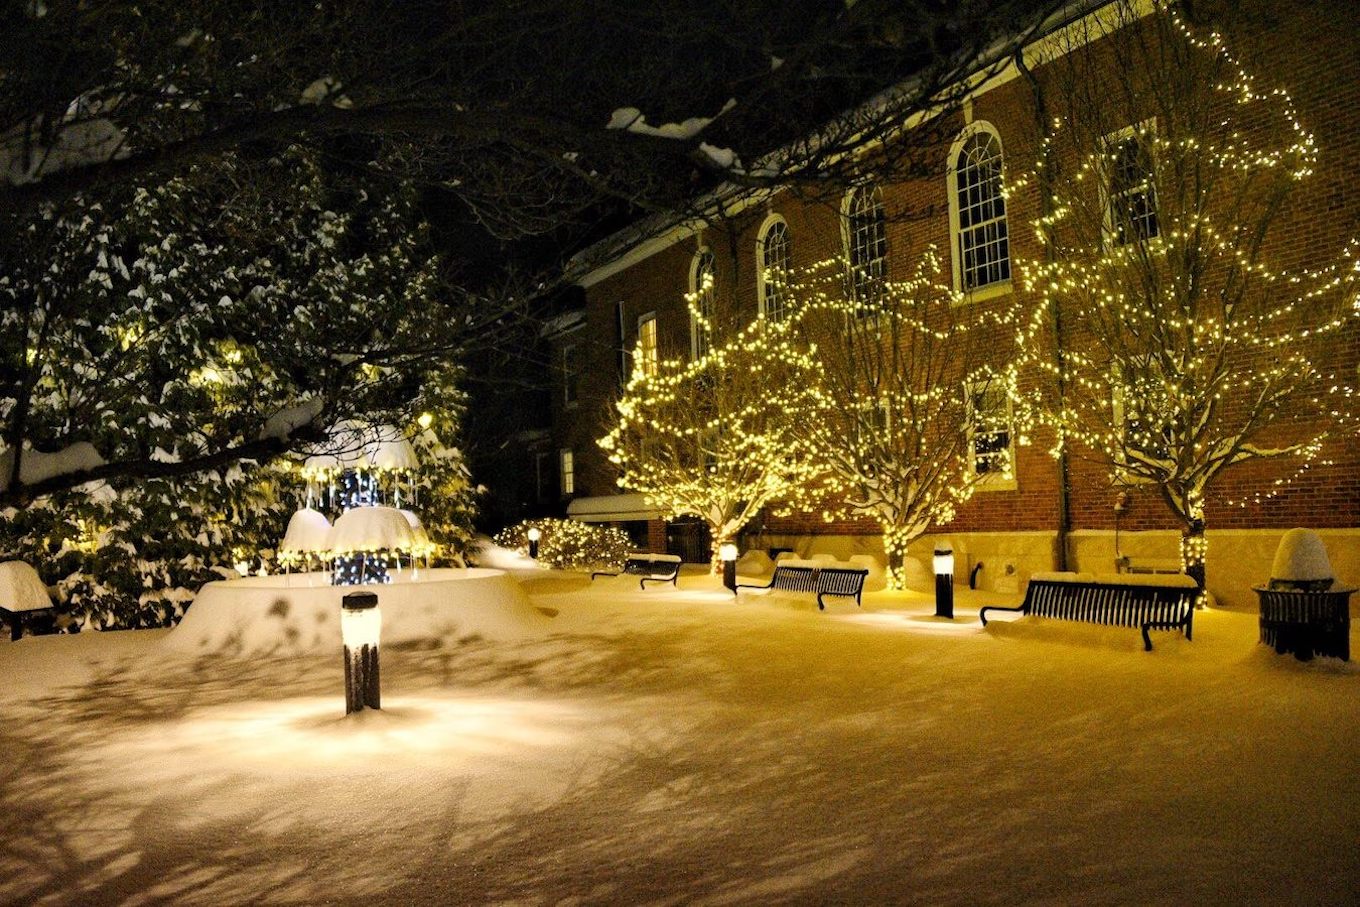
[
  {"x": 186, "y": 358},
  {"x": 134, "y": 556},
  {"x": 568, "y": 544}
]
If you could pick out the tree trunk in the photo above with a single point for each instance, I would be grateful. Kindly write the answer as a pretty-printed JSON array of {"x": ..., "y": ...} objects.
[
  {"x": 895, "y": 550},
  {"x": 1194, "y": 552}
]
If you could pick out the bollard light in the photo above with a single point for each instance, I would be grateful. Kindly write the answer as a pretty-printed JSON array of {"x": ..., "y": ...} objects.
[
  {"x": 944, "y": 582},
  {"x": 534, "y": 536},
  {"x": 360, "y": 628},
  {"x": 728, "y": 555}
]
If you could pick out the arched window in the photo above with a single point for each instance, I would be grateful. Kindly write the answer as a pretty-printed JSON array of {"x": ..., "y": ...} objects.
[
  {"x": 701, "y": 291},
  {"x": 977, "y": 209},
  {"x": 866, "y": 247},
  {"x": 772, "y": 267}
]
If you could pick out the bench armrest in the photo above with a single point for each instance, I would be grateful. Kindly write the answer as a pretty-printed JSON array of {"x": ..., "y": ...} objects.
[
  {"x": 601, "y": 573},
  {"x": 982, "y": 615},
  {"x": 752, "y": 586}
]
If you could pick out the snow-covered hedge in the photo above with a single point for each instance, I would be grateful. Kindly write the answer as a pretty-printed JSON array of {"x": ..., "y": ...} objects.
[{"x": 569, "y": 545}]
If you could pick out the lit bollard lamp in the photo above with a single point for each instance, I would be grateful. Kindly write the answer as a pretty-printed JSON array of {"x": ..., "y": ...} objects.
[
  {"x": 534, "y": 536},
  {"x": 944, "y": 582},
  {"x": 728, "y": 555},
  {"x": 360, "y": 627}
]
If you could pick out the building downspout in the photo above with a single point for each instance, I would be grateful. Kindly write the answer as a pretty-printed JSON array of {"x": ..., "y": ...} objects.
[{"x": 1045, "y": 208}]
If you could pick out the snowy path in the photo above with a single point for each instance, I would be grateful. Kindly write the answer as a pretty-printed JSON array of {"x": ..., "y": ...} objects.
[{"x": 674, "y": 747}]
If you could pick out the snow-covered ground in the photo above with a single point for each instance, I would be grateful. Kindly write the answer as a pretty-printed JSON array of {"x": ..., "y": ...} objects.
[{"x": 673, "y": 746}]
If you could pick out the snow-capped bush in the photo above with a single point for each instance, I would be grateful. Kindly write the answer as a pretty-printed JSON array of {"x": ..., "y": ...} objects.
[{"x": 569, "y": 545}]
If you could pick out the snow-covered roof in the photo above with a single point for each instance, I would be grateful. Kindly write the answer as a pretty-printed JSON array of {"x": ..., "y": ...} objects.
[{"x": 612, "y": 508}]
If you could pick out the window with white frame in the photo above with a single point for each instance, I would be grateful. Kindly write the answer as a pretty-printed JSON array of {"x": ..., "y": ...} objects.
[
  {"x": 701, "y": 290},
  {"x": 567, "y": 462},
  {"x": 772, "y": 267},
  {"x": 1129, "y": 184},
  {"x": 866, "y": 247},
  {"x": 990, "y": 446},
  {"x": 646, "y": 351},
  {"x": 982, "y": 255},
  {"x": 571, "y": 374}
]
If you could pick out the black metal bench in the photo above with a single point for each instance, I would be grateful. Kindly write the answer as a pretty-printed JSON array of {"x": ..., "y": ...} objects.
[
  {"x": 655, "y": 568},
  {"x": 1307, "y": 623},
  {"x": 1169, "y": 607},
  {"x": 846, "y": 581}
]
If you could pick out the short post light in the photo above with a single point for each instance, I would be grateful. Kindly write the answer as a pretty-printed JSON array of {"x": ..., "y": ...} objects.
[
  {"x": 728, "y": 555},
  {"x": 534, "y": 536},
  {"x": 360, "y": 627},
  {"x": 943, "y": 563}
]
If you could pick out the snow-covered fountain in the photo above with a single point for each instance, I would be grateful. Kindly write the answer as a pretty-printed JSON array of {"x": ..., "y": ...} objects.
[{"x": 367, "y": 475}]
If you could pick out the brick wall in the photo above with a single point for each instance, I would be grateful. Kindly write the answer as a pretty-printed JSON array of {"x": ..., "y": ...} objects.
[{"x": 1296, "y": 45}]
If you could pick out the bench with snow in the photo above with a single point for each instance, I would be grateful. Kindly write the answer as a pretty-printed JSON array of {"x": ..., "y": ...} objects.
[
  {"x": 23, "y": 597},
  {"x": 1157, "y": 602},
  {"x": 653, "y": 568},
  {"x": 845, "y": 581}
]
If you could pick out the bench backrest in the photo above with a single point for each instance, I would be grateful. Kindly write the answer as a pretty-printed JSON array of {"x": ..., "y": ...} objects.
[
  {"x": 832, "y": 580},
  {"x": 652, "y": 564},
  {"x": 1106, "y": 603},
  {"x": 841, "y": 580},
  {"x": 794, "y": 579}
]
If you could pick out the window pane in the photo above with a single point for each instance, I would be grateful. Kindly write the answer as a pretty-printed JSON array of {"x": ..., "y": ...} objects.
[
  {"x": 867, "y": 235},
  {"x": 983, "y": 243},
  {"x": 774, "y": 270}
]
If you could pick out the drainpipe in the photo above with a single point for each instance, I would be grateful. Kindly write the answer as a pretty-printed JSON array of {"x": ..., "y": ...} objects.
[{"x": 1045, "y": 208}]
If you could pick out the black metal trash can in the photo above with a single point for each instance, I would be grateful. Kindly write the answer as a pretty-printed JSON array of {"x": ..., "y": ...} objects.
[{"x": 1307, "y": 623}]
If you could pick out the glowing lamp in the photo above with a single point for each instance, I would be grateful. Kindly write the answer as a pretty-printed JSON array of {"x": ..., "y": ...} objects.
[
  {"x": 360, "y": 628},
  {"x": 534, "y": 536},
  {"x": 943, "y": 563},
  {"x": 728, "y": 555},
  {"x": 425, "y": 420}
]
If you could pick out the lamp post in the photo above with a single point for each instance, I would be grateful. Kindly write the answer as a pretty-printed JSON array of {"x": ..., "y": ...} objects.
[
  {"x": 534, "y": 536},
  {"x": 943, "y": 563},
  {"x": 360, "y": 627},
  {"x": 728, "y": 555}
]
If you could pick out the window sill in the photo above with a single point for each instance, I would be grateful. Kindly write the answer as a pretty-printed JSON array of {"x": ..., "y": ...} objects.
[
  {"x": 991, "y": 291},
  {"x": 997, "y": 483}
]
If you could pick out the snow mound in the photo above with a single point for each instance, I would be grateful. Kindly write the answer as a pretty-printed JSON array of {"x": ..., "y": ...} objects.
[
  {"x": 489, "y": 554},
  {"x": 39, "y": 466},
  {"x": 308, "y": 532},
  {"x": 299, "y": 614},
  {"x": 1301, "y": 557},
  {"x": 21, "y": 589},
  {"x": 354, "y": 445},
  {"x": 371, "y": 529}
]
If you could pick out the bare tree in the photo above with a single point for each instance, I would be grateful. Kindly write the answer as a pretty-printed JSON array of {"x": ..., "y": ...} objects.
[
  {"x": 529, "y": 112},
  {"x": 1187, "y": 348},
  {"x": 914, "y": 415},
  {"x": 723, "y": 435}
]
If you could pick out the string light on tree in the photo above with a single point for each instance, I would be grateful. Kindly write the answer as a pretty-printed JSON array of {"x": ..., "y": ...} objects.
[{"x": 1195, "y": 351}]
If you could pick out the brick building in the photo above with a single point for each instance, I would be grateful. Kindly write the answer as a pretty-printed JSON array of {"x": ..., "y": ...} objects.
[{"x": 1039, "y": 519}]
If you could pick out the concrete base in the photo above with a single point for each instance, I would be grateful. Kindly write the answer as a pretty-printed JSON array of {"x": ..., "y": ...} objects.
[{"x": 1238, "y": 558}]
